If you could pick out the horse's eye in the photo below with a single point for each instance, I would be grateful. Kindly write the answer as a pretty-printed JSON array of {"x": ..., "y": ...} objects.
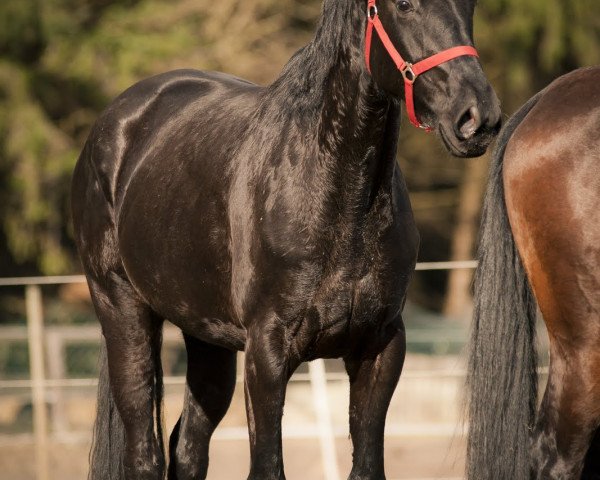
[{"x": 404, "y": 5}]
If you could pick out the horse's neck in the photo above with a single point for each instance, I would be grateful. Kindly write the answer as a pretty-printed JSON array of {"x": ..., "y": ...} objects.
[{"x": 351, "y": 123}]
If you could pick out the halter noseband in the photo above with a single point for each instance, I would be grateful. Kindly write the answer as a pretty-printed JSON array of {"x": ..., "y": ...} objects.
[{"x": 409, "y": 71}]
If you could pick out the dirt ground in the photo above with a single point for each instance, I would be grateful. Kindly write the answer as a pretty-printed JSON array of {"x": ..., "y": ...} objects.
[
  {"x": 406, "y": 458},
  {"x": 422, "y": 425}
]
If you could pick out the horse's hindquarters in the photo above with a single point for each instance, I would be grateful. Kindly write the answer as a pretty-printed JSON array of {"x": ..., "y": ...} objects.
[
  {"x": 552, "y": 190},
  {"x": 156, "y": 174},
  {"x": 174, "y": 242}
]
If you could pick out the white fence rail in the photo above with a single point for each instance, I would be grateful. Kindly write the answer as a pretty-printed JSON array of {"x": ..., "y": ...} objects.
[{"x": 49, "y": 343}]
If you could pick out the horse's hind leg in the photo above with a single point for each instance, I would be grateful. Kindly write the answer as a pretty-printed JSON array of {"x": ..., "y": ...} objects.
[
  {"x": 210, "y": 383},
  {"x": 569, "y": 415},
  {"x": 133, "y": 337}
]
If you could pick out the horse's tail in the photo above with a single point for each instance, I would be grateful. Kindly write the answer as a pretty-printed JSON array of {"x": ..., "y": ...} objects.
[
  {"x": 108, "y": 442},
  {"x": 501, "y": 377}
]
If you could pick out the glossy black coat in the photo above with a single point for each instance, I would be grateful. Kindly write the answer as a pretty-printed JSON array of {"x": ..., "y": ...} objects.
[{"x": 273, "y": 220}]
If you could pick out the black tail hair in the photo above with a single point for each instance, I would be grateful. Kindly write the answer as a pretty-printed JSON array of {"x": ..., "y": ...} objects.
[
  {"x": 501, "y": 376},
  {"x": 108, "y": 441}
]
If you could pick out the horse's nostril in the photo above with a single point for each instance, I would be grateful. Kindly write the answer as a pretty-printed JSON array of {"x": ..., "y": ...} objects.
[{"x": 468, "y": 123}]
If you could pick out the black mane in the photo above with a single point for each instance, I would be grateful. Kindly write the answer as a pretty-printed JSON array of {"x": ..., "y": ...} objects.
[{"x": 333, "y": 57}]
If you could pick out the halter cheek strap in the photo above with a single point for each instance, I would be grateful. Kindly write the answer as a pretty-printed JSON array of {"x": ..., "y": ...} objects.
[{"x": 409, "y": 71}]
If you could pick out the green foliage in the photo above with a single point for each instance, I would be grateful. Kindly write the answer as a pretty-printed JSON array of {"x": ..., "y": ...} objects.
[
  {"x": 21, "y": 35},
  {"x": 528, "y": 43},
  {"x": 61, "y": 61},
  {"x": 38, "y": 158}
]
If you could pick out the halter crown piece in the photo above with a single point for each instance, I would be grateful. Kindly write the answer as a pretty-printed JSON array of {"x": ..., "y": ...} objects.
[{"x": 409, "y": 71}]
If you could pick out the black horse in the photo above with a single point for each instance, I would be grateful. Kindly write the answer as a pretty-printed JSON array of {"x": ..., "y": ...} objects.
[{"x": 273, "y": 220}]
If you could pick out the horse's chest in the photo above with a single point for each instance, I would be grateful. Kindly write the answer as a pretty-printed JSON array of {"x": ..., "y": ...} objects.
[
  {"x": 379, "y": 281},
  {"x": 363, "y": 294}
]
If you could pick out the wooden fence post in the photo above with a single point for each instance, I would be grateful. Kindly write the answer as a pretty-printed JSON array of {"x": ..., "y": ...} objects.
[
  {"x": 35, "y": 335},
  {"x": 318, "y": 383}
]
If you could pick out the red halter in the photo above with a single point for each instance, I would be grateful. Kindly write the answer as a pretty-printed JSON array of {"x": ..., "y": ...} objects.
[{"x": 409, "y": 71}]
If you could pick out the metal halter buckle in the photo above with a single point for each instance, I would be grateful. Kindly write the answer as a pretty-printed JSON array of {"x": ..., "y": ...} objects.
[
  {"x": 408, "y": 74},
  {"x": 372, "y": 12}
]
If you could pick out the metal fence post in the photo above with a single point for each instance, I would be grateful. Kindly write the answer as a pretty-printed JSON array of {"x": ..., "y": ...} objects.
[
  {"x": 35, "y": 327},
  {"x": 318, "y": 382}
]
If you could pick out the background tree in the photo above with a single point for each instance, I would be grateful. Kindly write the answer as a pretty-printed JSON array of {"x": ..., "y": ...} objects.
[
  {"x": 61, "y": 61},
  {"x": 526, "y": 44}
]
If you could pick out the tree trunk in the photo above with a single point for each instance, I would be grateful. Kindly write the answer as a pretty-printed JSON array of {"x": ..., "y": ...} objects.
[{"x": 458, "y": 303}]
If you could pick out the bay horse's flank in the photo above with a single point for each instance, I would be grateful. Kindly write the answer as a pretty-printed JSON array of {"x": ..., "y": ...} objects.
[
  {"x": 273, "y": 220},
  {"x": 544, "y": 189}
]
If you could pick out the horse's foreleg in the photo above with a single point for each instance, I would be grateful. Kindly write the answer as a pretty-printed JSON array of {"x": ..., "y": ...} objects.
[
  {"x": 373, "y": 379},
  {"x": 210, "y": 382},
  {"x": 266, "y": 375},
  {"x": 569, "y": 414}
]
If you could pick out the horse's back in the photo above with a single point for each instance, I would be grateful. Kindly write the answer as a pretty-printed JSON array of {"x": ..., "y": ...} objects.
[
  {"x": 552, "y": 191},
  {"x": 157, "y": 113}
]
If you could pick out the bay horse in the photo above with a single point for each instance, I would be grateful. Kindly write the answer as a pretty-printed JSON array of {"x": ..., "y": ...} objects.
[
  {"x": 272, "y": 220},
  {"x": 540, "y": 243}
]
